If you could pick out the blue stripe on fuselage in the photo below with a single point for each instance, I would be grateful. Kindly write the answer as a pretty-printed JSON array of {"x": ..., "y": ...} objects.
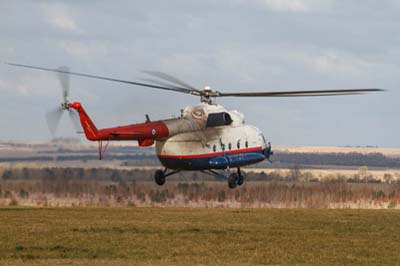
[{"x": 213, "y": 162}]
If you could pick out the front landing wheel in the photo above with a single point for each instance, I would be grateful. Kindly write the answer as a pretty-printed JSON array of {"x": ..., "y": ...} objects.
[
  {"x": 232, "y": 180},
  {"x": 159, "y": 177}
]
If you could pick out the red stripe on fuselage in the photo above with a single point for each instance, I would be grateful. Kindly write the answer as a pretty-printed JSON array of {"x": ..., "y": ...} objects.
[{"x": 205, "y": 155}]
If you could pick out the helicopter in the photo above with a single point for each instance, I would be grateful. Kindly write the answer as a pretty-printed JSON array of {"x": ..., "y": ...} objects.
[{"x": 206, "y": 137}]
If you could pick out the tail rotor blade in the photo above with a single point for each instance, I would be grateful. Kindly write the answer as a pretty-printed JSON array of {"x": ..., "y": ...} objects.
[
  {"x": 75, "y": 119},
  {"x": 53, "y": 119},
  {"x": 64, "y": 78}
]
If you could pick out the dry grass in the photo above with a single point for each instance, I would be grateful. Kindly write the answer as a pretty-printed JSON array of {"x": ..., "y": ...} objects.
[
  {"x": 323, "y": 174},
  {"x": 67, "y": 193}
]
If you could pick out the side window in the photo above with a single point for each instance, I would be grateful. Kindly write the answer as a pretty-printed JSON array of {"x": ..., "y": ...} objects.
[
  {"x": 238, "y": 144},
  {"x": 246, "y": 144},
  {"x": 214, "y": 148},
  {"x": 222, "y": 146},
  {"x": 230, "y": 146}
]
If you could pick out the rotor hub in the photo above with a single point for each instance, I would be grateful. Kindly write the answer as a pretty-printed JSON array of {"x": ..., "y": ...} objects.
[
  {"x": 65, "y": 105},
  {"x": 208, "y": 96}
]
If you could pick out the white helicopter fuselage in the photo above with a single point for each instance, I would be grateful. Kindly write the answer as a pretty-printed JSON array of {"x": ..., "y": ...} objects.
[{"x": 201, "y": 144}]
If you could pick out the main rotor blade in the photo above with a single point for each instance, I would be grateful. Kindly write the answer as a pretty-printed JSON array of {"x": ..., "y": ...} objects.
[
  {"x": 64, "y": 78},
  {"x": 177, "y": 89},
  {"x": 172, "y": 79},
  {"x": 304, "y": 93},
  {"x": 158, "y": 82},
  {"x": 53, "y": 119}
]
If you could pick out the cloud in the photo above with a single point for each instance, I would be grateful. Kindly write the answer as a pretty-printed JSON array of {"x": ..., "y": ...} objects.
[
  {"x": 59, "y": 18},
  {"x": 84, "y": 50},
  {"x": 3, "y": 84},
  {"x": 296, "y": 6},
  {"x": 16, "y": 88},
  {"x": 28, "y": 85},
  {"x": 64, "y": 23},
  {"x": 252, "y": 65},
  {"x": 331, "y": 63}
]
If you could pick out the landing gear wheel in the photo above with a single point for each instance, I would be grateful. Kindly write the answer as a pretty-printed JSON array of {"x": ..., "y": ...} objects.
[
  {"x": 232, "y": 180},
  {"x": 159, "y": 177},
  {"x": 240, "y": 180}
]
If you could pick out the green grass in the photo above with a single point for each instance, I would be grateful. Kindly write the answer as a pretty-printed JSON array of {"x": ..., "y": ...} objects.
[{"x": 162, "y": 236}]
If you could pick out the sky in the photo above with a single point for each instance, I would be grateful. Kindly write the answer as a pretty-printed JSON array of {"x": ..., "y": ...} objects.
[{"x": 230, "y": 45}]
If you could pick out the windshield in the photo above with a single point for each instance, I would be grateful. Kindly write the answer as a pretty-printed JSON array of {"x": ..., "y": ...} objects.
[{"x": 263, "y": 139}]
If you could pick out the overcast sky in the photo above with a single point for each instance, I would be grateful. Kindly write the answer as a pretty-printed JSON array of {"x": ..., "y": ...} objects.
[{"x": 230, "y": 45}]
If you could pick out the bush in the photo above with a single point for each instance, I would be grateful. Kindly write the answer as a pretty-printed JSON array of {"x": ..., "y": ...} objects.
[
  {"x": 23, "y": 193},
  {"x": 13, "y": 202},
  {"x": 221, "y": 195},
  {"x": 378, "y": 195},
  {"x": 8, "y": 174},
  {"x": 159, "y": 196}
]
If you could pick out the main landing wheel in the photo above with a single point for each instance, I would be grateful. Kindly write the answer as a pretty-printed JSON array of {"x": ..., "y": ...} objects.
[
  {"x": 159, "y": 177},
  {"x": 233, "y": 180},
  {"x": 240, "y": 180}
]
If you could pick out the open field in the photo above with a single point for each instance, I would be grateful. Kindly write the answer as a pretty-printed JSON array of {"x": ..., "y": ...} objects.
[{"x": 184, "y": 236}]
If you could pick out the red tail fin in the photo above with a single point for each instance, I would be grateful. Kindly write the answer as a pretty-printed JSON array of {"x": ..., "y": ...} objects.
[{"x": 90, "y": 129}]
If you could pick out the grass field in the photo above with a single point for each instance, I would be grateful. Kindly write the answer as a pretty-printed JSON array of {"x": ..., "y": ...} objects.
[{"x": 162, "y": 236}]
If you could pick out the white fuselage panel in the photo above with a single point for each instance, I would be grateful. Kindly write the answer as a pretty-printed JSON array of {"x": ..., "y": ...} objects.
[{"x": 212, "y": 140}]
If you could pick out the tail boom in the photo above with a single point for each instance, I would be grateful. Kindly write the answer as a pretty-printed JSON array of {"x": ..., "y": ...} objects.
[{"x": 144, "y": 133}]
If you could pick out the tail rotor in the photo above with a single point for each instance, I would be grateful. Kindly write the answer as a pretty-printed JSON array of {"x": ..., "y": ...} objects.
[{"x": 53, "y": 117}]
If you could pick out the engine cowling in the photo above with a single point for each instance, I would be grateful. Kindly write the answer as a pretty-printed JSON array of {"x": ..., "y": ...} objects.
[{"x": 218, "y": 119}]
